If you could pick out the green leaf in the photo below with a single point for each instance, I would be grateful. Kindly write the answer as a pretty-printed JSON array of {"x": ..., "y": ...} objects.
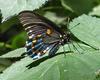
[
  {"x": 4, "y": 48},
  {"x": 95, "y": 11},
  {"x": 15, "y": 53},
  {"x": 12, "y": 7},
  {"x": 69, "y": 67},
  {"x": 78, "y": 6},
  {"x": 8, "y": 24},
  {"x": 87, "y": 29},
  {"x": 19, "y": 40},
  {"x": 53, "y": 17},
  {"x": 4, "y": 45}
]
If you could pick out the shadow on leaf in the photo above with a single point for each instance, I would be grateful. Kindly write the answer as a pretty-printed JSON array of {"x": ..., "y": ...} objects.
[{"x": 37, "y": 62}]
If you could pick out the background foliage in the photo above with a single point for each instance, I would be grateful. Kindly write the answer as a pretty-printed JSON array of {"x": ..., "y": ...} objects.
[{"x": 84, "y": 27}]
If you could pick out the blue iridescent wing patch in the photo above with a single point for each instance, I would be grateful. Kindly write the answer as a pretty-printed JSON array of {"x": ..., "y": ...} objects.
[{"x": 43, "y": 35}]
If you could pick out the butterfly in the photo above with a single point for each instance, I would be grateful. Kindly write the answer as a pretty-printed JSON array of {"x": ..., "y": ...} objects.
[{"x": 43, "y": 35}]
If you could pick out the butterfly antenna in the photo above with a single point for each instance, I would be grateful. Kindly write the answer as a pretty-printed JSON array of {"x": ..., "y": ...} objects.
[{"x": 74, "y": 26}]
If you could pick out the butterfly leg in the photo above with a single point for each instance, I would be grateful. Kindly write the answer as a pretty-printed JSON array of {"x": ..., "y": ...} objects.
[
  {"x": 68, "y": 42},
  {"x": 54, "y": 49},
  {"x": 75, "y": 48}
]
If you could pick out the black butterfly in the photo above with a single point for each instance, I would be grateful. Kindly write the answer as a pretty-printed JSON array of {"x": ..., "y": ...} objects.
[{"x": 43, "y": 35}]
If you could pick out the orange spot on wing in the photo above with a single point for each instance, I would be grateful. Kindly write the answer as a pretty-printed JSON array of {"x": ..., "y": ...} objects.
[
  {"x": 49, "y": 31},
  {"x": 39, "y": 35},
  {"x": 34, "y": 41}
]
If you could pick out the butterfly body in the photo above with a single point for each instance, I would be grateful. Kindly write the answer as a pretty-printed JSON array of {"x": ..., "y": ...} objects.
[{"x": 43, "y": 35}]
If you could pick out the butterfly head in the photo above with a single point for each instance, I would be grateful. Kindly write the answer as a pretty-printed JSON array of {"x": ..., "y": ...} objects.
[{"x": 65, "y": 38}]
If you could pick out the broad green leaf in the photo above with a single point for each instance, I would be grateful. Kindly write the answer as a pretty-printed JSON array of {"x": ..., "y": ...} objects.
[
  {"x": 12, "y": 7},
  {"x": 78, "y": 6},
  {"x": 15, "y": 53},
  {"x": 87, "y": 29},
  {"x": 95, "y": 11},
  {"x": 69, "y": 67}
]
